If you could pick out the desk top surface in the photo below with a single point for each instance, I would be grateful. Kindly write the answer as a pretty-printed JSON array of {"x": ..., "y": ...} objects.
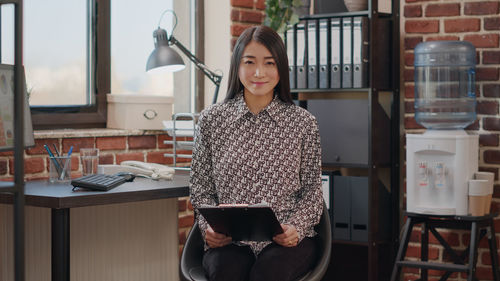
[{"x": 60, "y": 195}]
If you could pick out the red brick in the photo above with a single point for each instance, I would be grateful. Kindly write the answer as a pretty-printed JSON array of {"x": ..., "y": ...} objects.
[
  {"x": 235, "y": 15},
  {"x": 411, "y": 42},
  {"x": 242, "y": 3},
  {"x": 237, "y": 29},
  {"x": 157, "y": 157},
  {"x": 31, "y": 165},
  {"x": 496, "y": 190},
  {"x": 410, "y": 123},
  {"x": 413, "y": 11},
  {"x": 190, "y": 206},
  {"x": 474, "y": 126},
  {"x": 77, "y": 143},
  {"x": 106, "y": 159},
  {"x": 462, "y": 25},
  {"x": 182, "y": 237},
  {"x": 260, "y": 4},
  {"x": 486, "y": 257},
  {"x": 491, "y": 90},
  {"x": 409, "y": 91},
  {"x": 7, "y": 153},
  {"x": 484, "y": 273},
  {"x": 142, "y": 142},
  {"x": 3, "y": 167},
  {"x": 137, "y": 156},
  {"x": 422, "y": 26},
  {"x": 442, "y": 10},
  {"x": 251, "y": 16},
  {"x": 481, "y": 8},
  {"x": 443, "y": 38},
  {"x": 451, "y": 238},
  {"x": 491, "y": 57},
  {"x": 162, "y": 139},
  {"x": 111, "y": 143},
  {"x": 487, "y": 107},
  {"x": 409, "y": 107},
  {"x": 186, "y": 220},
  {"x": 483, "y": 41},
  {"x": 414, "y": 251},
  {"x": 486, "y": 74},
  {"x": 40, "y": 149},
  {"x": 409, "y": 75},
  {"x": 488, "y": 140},
  {"x": 492, "y": 23},
  {"x": 409, "y": 59},
  {"x": 182, "y": 205},
  {"x": 491, "y": 156}
]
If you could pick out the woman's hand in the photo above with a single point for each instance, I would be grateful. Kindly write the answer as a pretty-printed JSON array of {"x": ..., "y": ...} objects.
[
  {"x": 215, "y": 239},
  {"x": 289, "y": 237}
]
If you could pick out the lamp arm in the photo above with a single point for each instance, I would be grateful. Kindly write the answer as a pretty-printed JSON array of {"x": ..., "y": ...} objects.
[{"x": 214, "y": 77}]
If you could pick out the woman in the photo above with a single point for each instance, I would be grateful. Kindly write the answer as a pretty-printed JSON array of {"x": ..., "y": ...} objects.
[{"x": 257, "y": 146}]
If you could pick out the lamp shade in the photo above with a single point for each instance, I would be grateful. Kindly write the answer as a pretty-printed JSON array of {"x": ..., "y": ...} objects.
[{"x": 163, "y": 58}]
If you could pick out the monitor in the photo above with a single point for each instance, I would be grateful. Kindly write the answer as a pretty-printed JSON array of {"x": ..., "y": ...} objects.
[{"x": 7, "y": 110}]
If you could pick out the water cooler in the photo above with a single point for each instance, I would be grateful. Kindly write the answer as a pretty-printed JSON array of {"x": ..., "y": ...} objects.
[{"x": 441, "y": 161}]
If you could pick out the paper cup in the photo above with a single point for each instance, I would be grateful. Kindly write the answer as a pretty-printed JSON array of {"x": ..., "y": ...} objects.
[
  {"x": 478, "y": 190},
  {"x": 490, "y": 177}
]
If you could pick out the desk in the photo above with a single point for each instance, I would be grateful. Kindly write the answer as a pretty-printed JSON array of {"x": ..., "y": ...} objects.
[
  {"x": 59, "y": 198},
  {"x": 478, "y": 226}
]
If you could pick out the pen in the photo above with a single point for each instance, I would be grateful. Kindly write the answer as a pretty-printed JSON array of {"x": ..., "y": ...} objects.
[
  {"x": 55, "y": 148},
  {"x": 51, "y": 155},
  {"x": 61, "y": 177}
]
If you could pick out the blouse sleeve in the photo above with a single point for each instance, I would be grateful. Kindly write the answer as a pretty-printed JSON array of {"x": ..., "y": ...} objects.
[
  {"x": 201, "y": 185},
  {"x": 310, "y": 197}
]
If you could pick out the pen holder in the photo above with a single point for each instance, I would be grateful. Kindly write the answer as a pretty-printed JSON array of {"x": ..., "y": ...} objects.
[{"x": 60, "y": 169}]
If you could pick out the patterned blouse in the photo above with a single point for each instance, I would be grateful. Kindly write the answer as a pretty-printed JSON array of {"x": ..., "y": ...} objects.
[{"x": 272, "y": 157}]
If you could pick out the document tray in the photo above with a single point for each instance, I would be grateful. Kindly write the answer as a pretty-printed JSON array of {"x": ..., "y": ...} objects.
[{"x": 243, "y": 223}]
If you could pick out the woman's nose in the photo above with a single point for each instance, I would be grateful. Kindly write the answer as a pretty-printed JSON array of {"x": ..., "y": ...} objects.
[{"x": 258, "y": 71}]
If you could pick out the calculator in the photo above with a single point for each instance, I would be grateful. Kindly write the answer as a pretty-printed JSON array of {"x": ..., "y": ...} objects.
[{"x": 98, "y": 182}]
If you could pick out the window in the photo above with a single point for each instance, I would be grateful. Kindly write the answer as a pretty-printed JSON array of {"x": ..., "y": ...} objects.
[{"x": 76, "y": 52}]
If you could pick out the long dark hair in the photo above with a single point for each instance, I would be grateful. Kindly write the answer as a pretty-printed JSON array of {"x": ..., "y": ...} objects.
[{"x": 273, "y": 42}]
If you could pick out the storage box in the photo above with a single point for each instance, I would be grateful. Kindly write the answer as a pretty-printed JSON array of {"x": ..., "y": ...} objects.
[{"x": 138, "y": 111}]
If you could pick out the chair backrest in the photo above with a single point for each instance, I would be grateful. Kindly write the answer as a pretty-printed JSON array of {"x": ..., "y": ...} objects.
[{"x": 192, "y": 255}]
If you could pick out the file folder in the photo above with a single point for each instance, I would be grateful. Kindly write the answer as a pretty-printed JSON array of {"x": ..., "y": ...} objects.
[
  {"x": 360, "y": 52},
  {"x": 335, "y": 42},
  {"x": 347, "y": 53},
  {"x": 341, "y": 208},
  {"x": 290, "y": 48},
  {"x": 301, "y": 55},
  {"x": 323, "y": 54},
  {"x": 359, "y": 209},
  {"x": 312, "y": 55}
]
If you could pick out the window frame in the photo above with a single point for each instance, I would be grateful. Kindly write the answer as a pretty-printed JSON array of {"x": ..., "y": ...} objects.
[{"x": 95, "y": 115}]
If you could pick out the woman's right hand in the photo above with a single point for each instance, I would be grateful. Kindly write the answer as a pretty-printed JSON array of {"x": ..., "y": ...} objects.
[{"x": 215, "y": 239}]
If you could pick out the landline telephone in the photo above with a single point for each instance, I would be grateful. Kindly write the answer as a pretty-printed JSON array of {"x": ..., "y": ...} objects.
[{"x": 141, "y": 169}]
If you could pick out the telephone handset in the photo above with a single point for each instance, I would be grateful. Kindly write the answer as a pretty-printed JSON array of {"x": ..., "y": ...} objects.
[
  {"x": 150, "y": 170},
  {"x": 153, "y": 170}
]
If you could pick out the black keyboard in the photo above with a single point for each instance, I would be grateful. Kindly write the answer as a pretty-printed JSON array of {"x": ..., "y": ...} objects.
[{"x": 98, "y": 182}]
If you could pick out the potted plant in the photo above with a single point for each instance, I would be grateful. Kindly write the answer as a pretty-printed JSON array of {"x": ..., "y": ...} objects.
[{"x": 281, "y": 13}]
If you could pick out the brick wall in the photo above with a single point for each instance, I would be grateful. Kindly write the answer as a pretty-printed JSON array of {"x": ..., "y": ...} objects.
[
  {"x": 113, "y": 150},
  {"x": 245, "y": 13},
  {"x": 479, "y": 23}
]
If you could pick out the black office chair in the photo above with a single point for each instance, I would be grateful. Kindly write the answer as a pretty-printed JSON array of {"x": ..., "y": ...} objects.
[{"x": 192, "y": 254}]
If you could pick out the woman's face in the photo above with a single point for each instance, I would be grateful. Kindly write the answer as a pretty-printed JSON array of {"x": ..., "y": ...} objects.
[{"x": 258, "y": 71}]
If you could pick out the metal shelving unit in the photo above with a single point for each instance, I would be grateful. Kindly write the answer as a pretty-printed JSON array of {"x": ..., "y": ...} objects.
[
  {"x": 383, "y": 138},
  {"x": 16, "y": 188}
]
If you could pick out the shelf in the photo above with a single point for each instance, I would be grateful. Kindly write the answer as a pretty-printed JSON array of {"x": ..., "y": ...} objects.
[
  {"x": 332, "y": 90},
  {"x": 336, "y": 15},
  {"x": 346, "y": 242}
]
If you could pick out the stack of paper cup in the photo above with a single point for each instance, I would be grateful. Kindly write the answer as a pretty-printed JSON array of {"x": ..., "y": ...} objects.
[
  {"x": 478, "y": 191},
  {"x": 490, "y": 177}
]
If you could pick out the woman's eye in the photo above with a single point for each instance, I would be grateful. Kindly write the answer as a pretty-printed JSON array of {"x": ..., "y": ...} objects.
[
  {"x": 248, "y": 62},
  {"x": 270, "y": 63}
]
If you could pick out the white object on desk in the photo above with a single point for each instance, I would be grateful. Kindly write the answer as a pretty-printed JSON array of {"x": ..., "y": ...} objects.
[{"x": 138, "y": 111}]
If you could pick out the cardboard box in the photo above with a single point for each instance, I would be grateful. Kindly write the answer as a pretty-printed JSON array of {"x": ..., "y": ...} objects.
[{"x": 138, "y": 111}]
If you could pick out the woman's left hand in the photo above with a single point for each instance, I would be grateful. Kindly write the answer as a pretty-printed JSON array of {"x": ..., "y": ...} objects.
[{"x": 289, "y": 237}]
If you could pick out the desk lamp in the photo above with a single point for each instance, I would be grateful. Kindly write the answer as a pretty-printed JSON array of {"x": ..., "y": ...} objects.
[{"x": 164, "y": 58}]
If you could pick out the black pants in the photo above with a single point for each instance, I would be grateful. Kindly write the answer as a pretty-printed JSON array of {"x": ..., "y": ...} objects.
[{"x": 274, "y": 263}]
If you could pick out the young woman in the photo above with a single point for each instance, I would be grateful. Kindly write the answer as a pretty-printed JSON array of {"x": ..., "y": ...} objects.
[{"x": 257, "y": 146}]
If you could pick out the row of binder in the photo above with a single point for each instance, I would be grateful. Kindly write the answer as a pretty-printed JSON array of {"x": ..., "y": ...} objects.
[{"x": 328, "y": 53}]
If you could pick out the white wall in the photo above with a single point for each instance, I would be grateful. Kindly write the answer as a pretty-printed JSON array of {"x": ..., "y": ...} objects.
[{"x": 217, "y": 44}]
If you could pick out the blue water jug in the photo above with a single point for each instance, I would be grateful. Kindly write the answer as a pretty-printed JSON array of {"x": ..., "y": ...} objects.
[{"x": 445, "y": 84}]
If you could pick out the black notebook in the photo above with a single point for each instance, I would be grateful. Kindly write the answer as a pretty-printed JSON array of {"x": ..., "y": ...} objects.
[{"x": 243, "y": 222}]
